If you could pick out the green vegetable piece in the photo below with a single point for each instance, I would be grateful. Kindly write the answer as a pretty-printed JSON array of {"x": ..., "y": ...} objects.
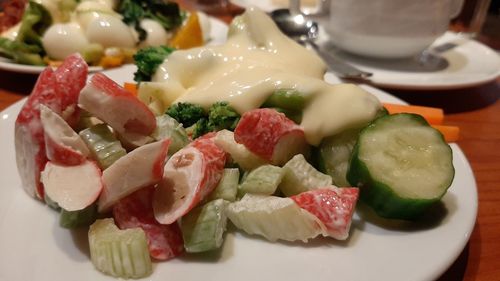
[
  {"x": 287, "y": 99},
  {"x": 203, "y": 227},
  {"x": 402, "y": 166},
  {"x": 74, "y": 219},
  {"x": 92, "y": 53},
  {"x": 228, "y": 186},
  {"x": 119, "y": 253},
  {"x": 300, "y": 176},
  {"x": 148, "y": 60},
  {"x": 168, "y": 127},
  {"x": 51, "y": 203},
  {"x": 103, "y": 145},
  {"x": 263, "y": 180},
  {"x": 166, "y": 13},
  {"x": 222, "y": 116},
  {"x": 20, "y": 52},
  {"x": 335, "y": 153},
  {"x": 186, "y": 113},
  {"x": 36, "y": 19}
]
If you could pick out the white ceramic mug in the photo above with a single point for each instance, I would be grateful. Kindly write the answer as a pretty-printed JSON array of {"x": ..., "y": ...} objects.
[{"x": 387, "y": 28}]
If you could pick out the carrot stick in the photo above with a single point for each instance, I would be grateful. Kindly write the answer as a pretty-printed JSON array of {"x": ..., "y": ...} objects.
[
  {"x": 450, "y": 133},
  {"x": 131, "y": 87},
  {"x": 433, "y": 115}
]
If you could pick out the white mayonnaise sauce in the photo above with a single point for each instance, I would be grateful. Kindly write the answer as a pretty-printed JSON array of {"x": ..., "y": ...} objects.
[{"x": 256, "y": 60}]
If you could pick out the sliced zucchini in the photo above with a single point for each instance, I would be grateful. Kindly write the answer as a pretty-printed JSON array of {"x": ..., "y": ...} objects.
[{"x": 402, "y": 165}]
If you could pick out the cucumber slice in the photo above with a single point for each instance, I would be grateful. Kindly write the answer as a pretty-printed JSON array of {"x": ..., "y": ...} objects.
[
  {"x": 119, "y": 253},
  {"x": 263, "y": 180},
  {"x": 168, "y": 127},
  {"x": 203, "y": 227},
  {"x": 274, "y": 218},
  {"x": 402, "y": 166},
  {"x": 103, "y": 144},
  {"x": 228, "y": 186},
  {"x": 335, "y": 153},
  {"x": 288, "y": 99},
  {"x": 74, "y": 219},
  {"x": 300, "y": 176}
]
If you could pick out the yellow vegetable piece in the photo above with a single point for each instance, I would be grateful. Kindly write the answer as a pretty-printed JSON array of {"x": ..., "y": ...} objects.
[
  {"x": 111, "y": 61},
  {"x": 189, "y": 35}
]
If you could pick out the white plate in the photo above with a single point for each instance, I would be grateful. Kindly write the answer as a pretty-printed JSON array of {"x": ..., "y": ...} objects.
[
  {"x": 218, "y": 31},
  {"x": 34, "y": 247},
  {"x": 469, "y": 63}
]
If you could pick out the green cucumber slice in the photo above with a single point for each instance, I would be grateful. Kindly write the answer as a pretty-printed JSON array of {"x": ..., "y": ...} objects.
[
  {"x": 335, "y": 153},
  {"x": 103, "y": 145},
  {"x": 119, "y": 253},
  {"x": 228, "y": 186},
  {"x": 168, "y": 127},
  {"x": 74, "y": 219},
  {"x": 402, "y": 166},
  {"x": 263, "y": 180},
  {"x": 203, "y": 227},
  {"x": 300, "y": 176}
]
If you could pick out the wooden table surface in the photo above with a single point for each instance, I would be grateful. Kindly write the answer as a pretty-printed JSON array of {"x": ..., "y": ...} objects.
[{"x": 476, "y": 110}]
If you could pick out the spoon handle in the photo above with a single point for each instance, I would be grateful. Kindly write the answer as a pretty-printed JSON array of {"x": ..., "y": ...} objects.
[{"x": 339, "y": 67}]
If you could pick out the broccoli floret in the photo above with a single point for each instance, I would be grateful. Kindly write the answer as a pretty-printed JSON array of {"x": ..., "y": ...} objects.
[
  {"x": 222, "y": 116},
  {"x": 148, "y": 60},
  {"x": 186, "y": 113},
  {"x": 200, "y": 128}
]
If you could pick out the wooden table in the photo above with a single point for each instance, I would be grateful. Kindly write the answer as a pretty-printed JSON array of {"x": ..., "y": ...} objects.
[{"x": 475, "y": 110}]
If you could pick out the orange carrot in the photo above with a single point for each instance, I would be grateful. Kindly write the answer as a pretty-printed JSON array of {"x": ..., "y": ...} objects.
[
  {"x": 131, "y": 87},
  {"x": 433, "y": 115},
  {"x": 450, "y": 133}
]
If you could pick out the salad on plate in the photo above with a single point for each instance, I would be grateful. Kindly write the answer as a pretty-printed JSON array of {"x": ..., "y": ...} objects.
[
  {"x": 244, "y": 133},
  {"x": 105, "y": 33}
]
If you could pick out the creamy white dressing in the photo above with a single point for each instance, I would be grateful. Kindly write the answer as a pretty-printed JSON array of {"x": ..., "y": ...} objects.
[{"x": 256, "y": 60}]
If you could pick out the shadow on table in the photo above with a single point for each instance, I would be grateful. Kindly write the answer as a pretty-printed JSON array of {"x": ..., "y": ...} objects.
[
  {"x": 453, "y": 101},
  {"x": 17, "y": 82}
]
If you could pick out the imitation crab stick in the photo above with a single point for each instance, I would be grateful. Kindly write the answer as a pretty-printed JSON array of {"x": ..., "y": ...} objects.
[
  {"x": 450, "y": 133},
  {"x": 433, "y": 115}
]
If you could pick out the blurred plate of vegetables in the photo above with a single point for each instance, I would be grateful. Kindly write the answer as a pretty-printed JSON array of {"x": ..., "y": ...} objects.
[{"x": 107, "y": 33}]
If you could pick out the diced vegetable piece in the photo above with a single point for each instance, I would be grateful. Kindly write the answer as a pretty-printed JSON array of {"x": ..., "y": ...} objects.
[
  {"x": 120, "y": 109},
  {"x": 335, "y": 153},
  {"x": 246, "y": 159},
  {"x": 73, "y": 188},
  {"x": 168, "y": 127},
  {"x": 274, "y": 218},
  {"x": 450, "y": 133},
  {"x": 228, "y": 186},
  {"x": 204, "y": 226},
  {"x": 433, "y": 115},
  {"x": 190, "y": 175},
  {"x": 119, "y": 253},
  {"x": 288, "y": 99},
  {"x": 62, "y": 144},
  {"x": 333, "y": 206},
  {"x": 270, "y": 135},
  {"x": 300, "y": 176},
  {"x": 74, "y": 219},
  {"x": 104, "y": 146},
  {"x": 189, "y": 35},
  {"x": 402, "y": 165},
  {"x": 140, "y": 168},
  {"x": 263, "y": 180},
  {"x": 131, "y": 87},
  {"x": 136, "y": 210}
]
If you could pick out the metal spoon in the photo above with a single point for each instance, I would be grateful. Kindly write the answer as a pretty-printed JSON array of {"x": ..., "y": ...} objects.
[{"x": 305, "y": 31}]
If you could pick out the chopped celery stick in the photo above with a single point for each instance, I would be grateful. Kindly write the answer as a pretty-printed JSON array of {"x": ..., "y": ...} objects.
[
  {"x": 239, "y": 153},
  {"x": 168, "y": 127},
  {"x": 203, "y": 227},
  {"x": 263, "y": 180},
  {"x": 119, "y": 253},
  {"x": 103, "y": 145},
  {"x": 300, "y": 176},
  {"x": 73, "y": 219},
  {"x": 228, "y": 186}
]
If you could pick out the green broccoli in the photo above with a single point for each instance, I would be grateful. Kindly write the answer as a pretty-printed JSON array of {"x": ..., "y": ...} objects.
[
  {"x": 222, "y": 116},
  {"x": 148, "y": 60},
  {"x": 186, "y": 113}
]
